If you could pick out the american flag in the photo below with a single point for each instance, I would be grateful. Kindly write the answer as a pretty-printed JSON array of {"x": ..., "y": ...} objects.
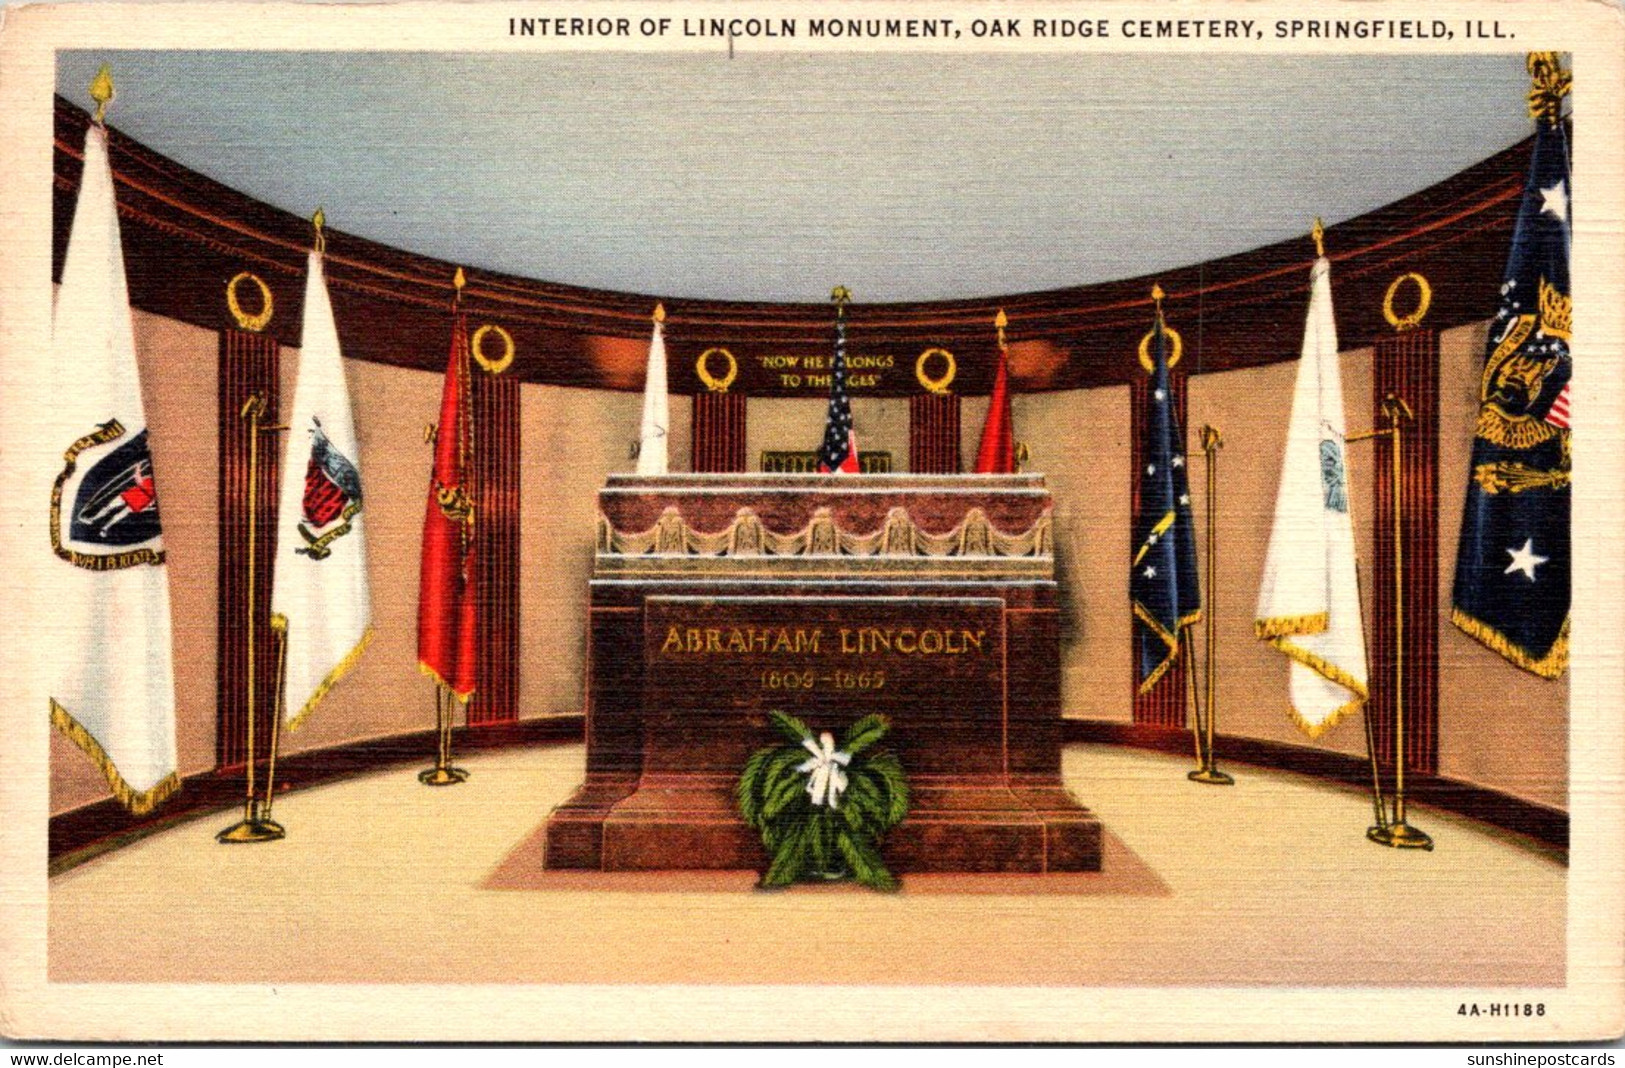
[
  {"x": 1558, "y": 415},
  {"x": 839, "y": 453}
]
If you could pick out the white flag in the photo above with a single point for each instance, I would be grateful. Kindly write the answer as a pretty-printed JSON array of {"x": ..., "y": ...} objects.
[
  {"x": 656, "y": 409},
  {"x": 115, "y": 692},
  {"x": 1309, "y": 604},
  {"x": 319, "y": 597}
]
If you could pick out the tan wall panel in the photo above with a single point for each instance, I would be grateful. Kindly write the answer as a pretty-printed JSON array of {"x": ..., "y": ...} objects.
[
  {"x": 972, "y": 414},
  {"x": 680, "y": 434},
  {"x": 1080, "y": 441},
  {"x": 1499, "y": 726},
  {"x": 178, "y": 383},
  {"x": 796, "y": 424},
  {"x": 571, "y": 440}
]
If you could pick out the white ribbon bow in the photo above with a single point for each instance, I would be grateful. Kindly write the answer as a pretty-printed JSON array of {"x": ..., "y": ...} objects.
[{"x": 825, "y": 779}]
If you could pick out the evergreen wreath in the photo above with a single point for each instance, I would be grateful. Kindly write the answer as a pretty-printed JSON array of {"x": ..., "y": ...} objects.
[{"x": 824, "y": 814}]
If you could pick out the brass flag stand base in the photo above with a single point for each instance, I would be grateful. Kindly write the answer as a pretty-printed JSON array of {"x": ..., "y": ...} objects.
[
  {"x": 256, "y": 826},
  {"x": 1208, "y": 772},
  {"x": 443, "y": 774},
  {"x": 1400, "y": 836}
]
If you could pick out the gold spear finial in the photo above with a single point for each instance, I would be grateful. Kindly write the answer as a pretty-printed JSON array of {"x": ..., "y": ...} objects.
[
  {"x": 1000, "y": 321},
  {"x": 101, "y": 91},
  {"x": 319, "y": 220},
  {"x": 1156, "y": 296},
  {"x": 459, "y": 280},
  {"x": 1319, "y": 234},
  {"x": 840, "y": 295},
  {"x": 660, "y": 313}
]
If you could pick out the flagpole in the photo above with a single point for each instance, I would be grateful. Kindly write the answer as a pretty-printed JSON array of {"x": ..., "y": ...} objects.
[
  {"x": 1209, "y": 771},
  {"x": 443, "y": 774},
  {"x": 279, "y": 636},
  {"x": 1191, "y": 699},
  {"x": 279, "y": 633},
  {"x": 256, "y": 824},
  {"x": 1397, "y": 833}
]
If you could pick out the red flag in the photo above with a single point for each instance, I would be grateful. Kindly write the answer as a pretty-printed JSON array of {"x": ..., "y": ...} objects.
[
  {"x": 997, "y": 453},
  {"x": 446, "y": 590}
]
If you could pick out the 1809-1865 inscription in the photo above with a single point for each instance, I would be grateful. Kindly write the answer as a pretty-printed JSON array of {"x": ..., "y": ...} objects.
[{"x": 934, "y": 664}]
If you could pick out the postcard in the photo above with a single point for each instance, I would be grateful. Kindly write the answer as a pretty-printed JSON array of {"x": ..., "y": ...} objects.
[{"x": 852, "y": 521}]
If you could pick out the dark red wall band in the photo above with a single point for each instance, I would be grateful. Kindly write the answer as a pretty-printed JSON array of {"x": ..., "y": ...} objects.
[
  {"x": 933, "y": 433},
  {"x": 1407, "y": 365},
  {"x": 249, "y": 364},
  {"x": 719, "y": 433},
  {"x": 496, "y": 545}
]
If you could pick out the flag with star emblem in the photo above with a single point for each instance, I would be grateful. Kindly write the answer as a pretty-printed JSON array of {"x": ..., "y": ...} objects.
[
  {"x": 1309, "y": 603},
  {"x": 839, "y": 452},
  {"x": 1163, "y": 587},
  {"x": 1512, "y": 562}
]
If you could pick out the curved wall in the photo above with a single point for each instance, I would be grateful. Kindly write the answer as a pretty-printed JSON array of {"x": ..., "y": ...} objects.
[{"x": 1499, "y": 728}]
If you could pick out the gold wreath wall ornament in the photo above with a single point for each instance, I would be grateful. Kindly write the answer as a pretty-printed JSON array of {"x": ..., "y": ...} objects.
[
  {"x": 712, "y": 383},
  {"x": 256, "y": 322},
  {"x": 1173, "y": 356},
  {"x": 940, "y": 384},
  {"x": 1424, "y": 300},
  {"x": 500, "y": 364}
]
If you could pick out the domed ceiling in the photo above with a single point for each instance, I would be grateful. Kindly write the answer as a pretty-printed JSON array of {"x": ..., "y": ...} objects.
[{"x": 772, "y": 177}]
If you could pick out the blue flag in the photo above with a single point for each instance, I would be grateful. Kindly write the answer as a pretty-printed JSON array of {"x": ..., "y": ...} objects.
[
  {"x": 1512, "y": 565},
  {"x": 1162, "y": 583}
]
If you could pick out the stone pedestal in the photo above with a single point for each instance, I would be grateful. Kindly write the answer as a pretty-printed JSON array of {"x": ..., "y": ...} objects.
[{"x": 930, "y": 599}]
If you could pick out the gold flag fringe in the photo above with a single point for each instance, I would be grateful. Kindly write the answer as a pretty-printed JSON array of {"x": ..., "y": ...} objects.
[
  {"x": 463, "y": 698},
  {"x": 1283, "y": 626},
  {"x": 1326, "y": 670},
  {"x": 279, "y": 623},
  {"x": 138, "y": 802},
  {"x": 1278, "y": 630},
  {"x": 1315, "y": 730},
  {"x": 1550, "y": 666},
  {"x": 1170, "y": 640}
]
